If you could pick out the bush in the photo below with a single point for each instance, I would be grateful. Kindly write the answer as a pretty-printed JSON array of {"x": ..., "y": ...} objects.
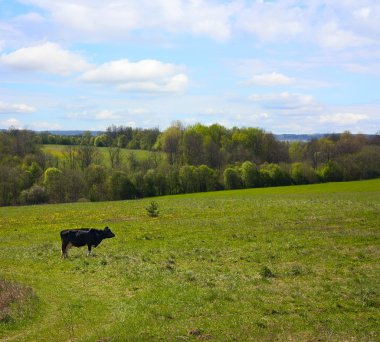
[{"x": 35, "y": 195}]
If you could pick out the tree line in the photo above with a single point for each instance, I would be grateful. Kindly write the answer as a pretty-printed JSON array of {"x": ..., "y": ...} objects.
[{"x": 187, "y": 159}]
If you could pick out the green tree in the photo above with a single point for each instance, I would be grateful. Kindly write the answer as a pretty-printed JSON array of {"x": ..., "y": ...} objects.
[
  {"x": 169, "y": 142},
  {"x": 249, "y": 175},
  {"x": 95, "y": 178},
  {"x": 121, "y": 186},
  {"x": 207, "y": 178},
  {"x": 103, "y": 140},
  {"x": 54, "y": 184},
  {"x": 330, "y": 172},
  {"x": 231, "y": 178}
]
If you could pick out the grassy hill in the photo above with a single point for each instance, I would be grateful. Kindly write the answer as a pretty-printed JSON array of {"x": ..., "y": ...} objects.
[{"x": 297, "y": 263}]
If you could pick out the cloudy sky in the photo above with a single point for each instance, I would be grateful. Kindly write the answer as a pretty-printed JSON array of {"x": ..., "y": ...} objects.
[{"x": 287, "y": 66}]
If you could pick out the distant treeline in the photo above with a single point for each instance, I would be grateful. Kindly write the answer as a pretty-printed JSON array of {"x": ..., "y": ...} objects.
[{"x": 188, "y": 159}]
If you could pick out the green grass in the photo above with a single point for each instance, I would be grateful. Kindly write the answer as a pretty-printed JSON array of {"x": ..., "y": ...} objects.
[
  {"x": 58, "y": 152},
  {"x": 287, "y": 264}
]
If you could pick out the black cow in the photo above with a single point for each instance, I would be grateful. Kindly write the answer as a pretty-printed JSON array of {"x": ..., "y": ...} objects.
[{"x": 81, "y": 237}]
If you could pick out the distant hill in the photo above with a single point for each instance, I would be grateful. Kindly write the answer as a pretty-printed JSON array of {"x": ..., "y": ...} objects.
[
  {"x": 73, "y": 132},
  {"x": 281, "y": 137},
  {"x": 299, "y": 137}
]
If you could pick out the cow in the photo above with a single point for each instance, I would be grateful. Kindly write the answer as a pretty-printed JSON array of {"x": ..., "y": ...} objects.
[{"x": 84, "y": 236}]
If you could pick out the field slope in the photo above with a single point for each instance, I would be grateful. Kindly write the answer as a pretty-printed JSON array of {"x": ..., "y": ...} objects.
[{"x": 288, "y": 264}]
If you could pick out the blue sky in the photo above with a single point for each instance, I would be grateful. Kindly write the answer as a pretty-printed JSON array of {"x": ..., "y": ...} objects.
[{"x": 287, "y": 66}]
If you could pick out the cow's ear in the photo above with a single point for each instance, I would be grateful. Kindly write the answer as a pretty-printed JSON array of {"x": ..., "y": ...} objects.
[{"x": 106, "y": 228}]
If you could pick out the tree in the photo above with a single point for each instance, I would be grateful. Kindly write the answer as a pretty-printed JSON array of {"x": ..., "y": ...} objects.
[
  {"x": 54, "y": 183},
  {"x": 192, "y": 147},
  {"x": 207, "y": 178},
  {"x": 169, "y": 142},
  {"x": 330, "y": 172},
  {"x": 95, "y": 178},
  {"x": 35, "y": 195},
  {"x": 114, "y": 156},
  {"x": 302, "y": 173},
  {"x": 121, "y": 187},
  {"x": 188, "y": 179},
  {"x": 232, "y": 179},
  {"x": 87, "y": 155},
  {"x": 273, "y": 175},
  {"x": 102, "y": 140},
  {"x": 249, "y": 175}
]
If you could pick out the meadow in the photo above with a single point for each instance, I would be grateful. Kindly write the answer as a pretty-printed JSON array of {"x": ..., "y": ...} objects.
[{"x": 297, "y": 263}]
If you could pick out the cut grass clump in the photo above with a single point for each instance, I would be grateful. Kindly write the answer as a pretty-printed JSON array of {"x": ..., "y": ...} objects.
[
  {"x": 17, "y": 302},
  {"x": 266, "y": 272}
]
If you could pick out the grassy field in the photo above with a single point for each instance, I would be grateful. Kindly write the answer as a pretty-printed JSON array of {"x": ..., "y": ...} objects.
[
  {"x": 287, "y": 264},
  {"x": 58, "y": 151}
]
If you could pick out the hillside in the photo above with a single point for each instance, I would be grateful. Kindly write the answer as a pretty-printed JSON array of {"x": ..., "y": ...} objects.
[{"x": 284, "y": 263}]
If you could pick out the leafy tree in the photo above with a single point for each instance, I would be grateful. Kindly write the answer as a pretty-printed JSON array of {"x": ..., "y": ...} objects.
[
  {"x": 95, "y": 178},
  {"x": 207, "y": 178},
  {"x": 169, "y": 142},
  {"x": 35, "y": 195},
  {"x": 102, "y": 140},
  {"x": 192, "y": 147},
  {"x": 121, "y": 186},
  {"x": 273, "y": 175},
  {"x": 54, "y": 183},
  {"x": 114, "y": 156},
  {"x": 188, "y": 178},
  {"x": 330, "y": 172},
  {"x": 302, "y": 173},
  {"x": 250, "y": 175},
  {"x": 232, "y": 179}
]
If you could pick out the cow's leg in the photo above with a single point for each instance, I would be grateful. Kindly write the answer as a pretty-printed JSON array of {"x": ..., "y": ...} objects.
[
  {"x": 65, "y": 247},
  {"x": 89, "y": 250}
]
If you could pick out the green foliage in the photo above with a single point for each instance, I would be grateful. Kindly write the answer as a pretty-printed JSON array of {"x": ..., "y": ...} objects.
[
  {"x": 54, "y": 183},
  {"x": 121, "y": 187},
  {"x": 249, "y": 175},
  {"x": 35, "y": 195},
  {"x": 232, "y": 178},
  {"x": 330, "y": 172},
  {"x": 152, "y": 209},
  {"x": 102, "y": 140},
  {"x": 188, "y": 159}
]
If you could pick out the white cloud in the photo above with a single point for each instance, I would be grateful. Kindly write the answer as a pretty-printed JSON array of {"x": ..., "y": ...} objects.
[
  {"x": 333, "y": 37},
  {"x": 343, "y": 118},
  {"x": 47, "y": 57},
  {"x": 107, "y": 115},
  {"x": 270, "y": 79},
  {"x": 45, "y": 126},
  {"x": 145, "y": 76},
  {"x": 272, "y": 20},
  {"x": 286, "y": 101},
  {"x": 100, "y": 20},
  {"x": 6, "y": 108},
  {"x": 12, "y": 122}
]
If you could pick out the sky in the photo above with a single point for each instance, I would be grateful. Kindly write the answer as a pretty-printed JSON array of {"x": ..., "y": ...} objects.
[{"x": 286, "y": 66}]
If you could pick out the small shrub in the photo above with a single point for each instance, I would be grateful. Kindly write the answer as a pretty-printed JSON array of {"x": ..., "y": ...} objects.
[{"x": 152, "y": 210}]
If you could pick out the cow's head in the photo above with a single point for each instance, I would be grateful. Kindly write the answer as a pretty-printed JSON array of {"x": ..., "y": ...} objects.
[{"x": 108, "y": 233}]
